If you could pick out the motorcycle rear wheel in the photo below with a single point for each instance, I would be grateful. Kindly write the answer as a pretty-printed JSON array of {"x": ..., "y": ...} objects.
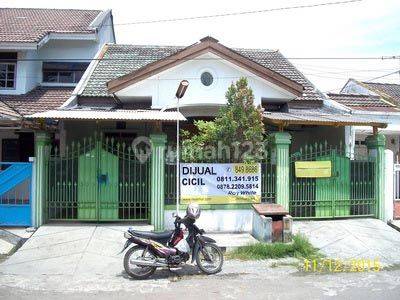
[
  {"x": 214, "y": 265},
  {"x": 135, "y": 271}
]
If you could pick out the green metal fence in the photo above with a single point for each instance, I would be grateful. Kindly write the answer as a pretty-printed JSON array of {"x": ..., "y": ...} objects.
[
  {"x": 268, "y": 184},
  {"x": 348, "y": 192},
  {"x": 97, "y": 179}
]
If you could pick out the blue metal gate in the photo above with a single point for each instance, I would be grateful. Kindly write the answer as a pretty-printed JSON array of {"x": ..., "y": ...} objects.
[{"x": 15, "y": 194}]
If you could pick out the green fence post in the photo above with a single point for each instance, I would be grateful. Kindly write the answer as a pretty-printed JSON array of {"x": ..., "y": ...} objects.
[
  {"x": 280, "y": 145},
  {"x": 157, "y": 179},
  {"x": 42, "y": 140},
  {"x": 376, "y": 149}
]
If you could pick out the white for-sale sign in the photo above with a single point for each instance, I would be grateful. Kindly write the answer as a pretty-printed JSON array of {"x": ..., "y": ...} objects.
[{"x": 220, "y": 183}]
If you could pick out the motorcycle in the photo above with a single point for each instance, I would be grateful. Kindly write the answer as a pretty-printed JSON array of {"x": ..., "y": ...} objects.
[{"x": 170, "y": 250}]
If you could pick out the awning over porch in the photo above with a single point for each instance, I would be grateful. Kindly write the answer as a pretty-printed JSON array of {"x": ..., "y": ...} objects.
[
  {"x": 390, "y": 129},
  {"x": 316, "y": 117},
  {"x": 110, "y": 115}
]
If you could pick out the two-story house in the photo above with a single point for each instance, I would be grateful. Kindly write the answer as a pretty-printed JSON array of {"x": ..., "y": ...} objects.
[{"x": 43, "y": 55}]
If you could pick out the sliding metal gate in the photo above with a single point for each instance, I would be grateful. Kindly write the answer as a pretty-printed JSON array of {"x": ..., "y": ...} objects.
[
  {"x": 350, "y": 191},
  {"x": 15, "y": 194},
  {"x": 98, "y": 180}
]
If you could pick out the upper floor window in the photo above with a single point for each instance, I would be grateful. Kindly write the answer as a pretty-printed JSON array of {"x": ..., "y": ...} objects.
[
  {"x": 8, "y": 66},
  {"x": 63, "y": 72}
]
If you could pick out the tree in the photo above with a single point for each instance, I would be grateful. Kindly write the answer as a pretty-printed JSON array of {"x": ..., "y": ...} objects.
[{"x": 236, "y": 134}]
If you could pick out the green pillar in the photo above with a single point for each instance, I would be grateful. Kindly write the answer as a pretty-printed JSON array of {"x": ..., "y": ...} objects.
[
  {"x": 376, "y": 149},
  {"x": 42, "y": 140},
  {"x": 158, "y": 142},
  {"x": 280, "y": 144}
]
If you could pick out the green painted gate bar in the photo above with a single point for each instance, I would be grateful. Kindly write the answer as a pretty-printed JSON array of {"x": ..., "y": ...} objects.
[
  {"x": 108, "y": 186},
  {"x": 376, "y": 146},
  {"x": 87, "y": 185},
  {"x": 333, "y": 194},
  {"x": 280, "y": 142},
  {"x": 158, "y": 142},
  {"x": 93, "y": 189}
]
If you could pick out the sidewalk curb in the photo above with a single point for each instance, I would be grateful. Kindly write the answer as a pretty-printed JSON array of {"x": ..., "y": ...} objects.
[
  {"x": 9, "y": 242},
  {"x": 394, "y": 225}
]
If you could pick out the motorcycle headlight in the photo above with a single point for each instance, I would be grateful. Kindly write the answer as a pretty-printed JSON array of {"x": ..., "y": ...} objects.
[{"x": 127, "y": 235}]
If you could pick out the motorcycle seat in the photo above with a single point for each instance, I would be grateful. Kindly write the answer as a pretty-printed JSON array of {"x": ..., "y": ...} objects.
[{"x": 165, "y": 235}]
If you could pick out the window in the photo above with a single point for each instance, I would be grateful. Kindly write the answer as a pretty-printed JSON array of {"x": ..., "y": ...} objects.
[
  {"x": 63, "y": 72},
  {"x": 8, "y": 66},
  {"x": 206, "y": 78}
]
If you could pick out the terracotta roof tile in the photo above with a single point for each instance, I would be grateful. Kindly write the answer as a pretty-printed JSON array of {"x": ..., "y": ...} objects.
[
  {"x": 6, "y": 112},
  {"x": 38, "y": 100},
  {"x": 30, "y": 25},
  {"x": 363, "y": 102},
  {"x": 386, "y": 90}
]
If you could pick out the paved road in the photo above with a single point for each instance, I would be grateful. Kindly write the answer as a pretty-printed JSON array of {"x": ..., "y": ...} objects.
[
  {"x": 239, "y": 280},
  {"x": 81, "y": 262}
]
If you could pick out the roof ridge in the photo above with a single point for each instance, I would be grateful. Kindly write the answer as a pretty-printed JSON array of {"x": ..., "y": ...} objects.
[
  {"x": 143, "y": 45},
  {"x": 381, "y": 83},
  {"x": 354, "y": 95},
  {"x": 40, "y": 8}
]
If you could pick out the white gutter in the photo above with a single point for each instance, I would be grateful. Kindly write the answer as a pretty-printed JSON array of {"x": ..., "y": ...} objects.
[
  {"x": 18, "y": 46},
  {"x": 381, "y": 113},
  {"x": 100, "y": 19}
]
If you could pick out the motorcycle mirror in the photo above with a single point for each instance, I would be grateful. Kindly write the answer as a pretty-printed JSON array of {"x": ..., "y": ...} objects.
[{"x": 174, "y": 214}]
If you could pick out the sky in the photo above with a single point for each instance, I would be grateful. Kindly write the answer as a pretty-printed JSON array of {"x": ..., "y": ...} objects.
[{"x": 369, "y": 28}]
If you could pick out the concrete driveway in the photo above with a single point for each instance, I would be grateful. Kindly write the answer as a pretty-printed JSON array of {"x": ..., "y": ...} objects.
[
  {"x": 353, "y": 238},
  {"x": 78, "y": 261},
  {"x": 84, "y": 249}
]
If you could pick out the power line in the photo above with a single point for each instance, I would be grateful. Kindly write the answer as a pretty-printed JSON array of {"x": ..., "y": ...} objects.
[
  {"x": 395, "y": 72},
  {"x": 209, "y": 58},
  {"x": 240, "y": 13}
]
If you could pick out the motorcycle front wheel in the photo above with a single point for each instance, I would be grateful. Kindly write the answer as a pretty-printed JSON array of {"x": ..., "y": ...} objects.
[
  {"x": 135, "y": 271},
  {"x": 209, "y": 259}
]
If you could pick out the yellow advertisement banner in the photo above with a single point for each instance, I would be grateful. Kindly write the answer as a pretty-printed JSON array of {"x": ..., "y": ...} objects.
[
  {"x": 313, "y": 169},
  {"x": 221, "y": 199}
]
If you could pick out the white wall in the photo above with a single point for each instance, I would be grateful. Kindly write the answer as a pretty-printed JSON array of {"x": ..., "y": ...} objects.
[
  {"x": 29, "y": 73},
  {"x": 389, "y": 188},
  {"x": 233, "y": 220},
  {"x": 162, "y": 87}
]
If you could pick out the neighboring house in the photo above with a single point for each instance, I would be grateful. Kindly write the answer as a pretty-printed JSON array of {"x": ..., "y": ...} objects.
[
  {"x": 43, "y": 55},
  {"x": 129, "y": 92},
  {"x": 377, "y": 101}
]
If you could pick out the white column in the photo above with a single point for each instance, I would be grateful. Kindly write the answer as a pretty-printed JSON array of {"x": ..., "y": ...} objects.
[{"x": 389, "y": 187}]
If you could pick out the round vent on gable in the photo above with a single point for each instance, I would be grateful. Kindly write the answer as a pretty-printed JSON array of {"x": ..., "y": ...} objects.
[{"x": 206, "y": 78}]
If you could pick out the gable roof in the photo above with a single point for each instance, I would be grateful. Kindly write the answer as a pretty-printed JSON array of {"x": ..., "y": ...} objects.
[
  {"x": 118, "y": 60},
  {"x": 206, "y": 45},
  {"x": 389, "y": 91},
  {"x": 30, "y": 25},
  {"x": 38, "y": 100},
  {"x": 6, "y": 112},
  {"x": 363, "y": 102}
]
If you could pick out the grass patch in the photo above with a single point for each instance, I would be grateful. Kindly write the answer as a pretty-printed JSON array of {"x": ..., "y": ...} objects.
[{"x": 299, "y": 248}]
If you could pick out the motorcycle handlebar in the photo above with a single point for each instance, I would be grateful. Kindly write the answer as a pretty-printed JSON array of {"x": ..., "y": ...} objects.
[{"x": 188, "y": 223}]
